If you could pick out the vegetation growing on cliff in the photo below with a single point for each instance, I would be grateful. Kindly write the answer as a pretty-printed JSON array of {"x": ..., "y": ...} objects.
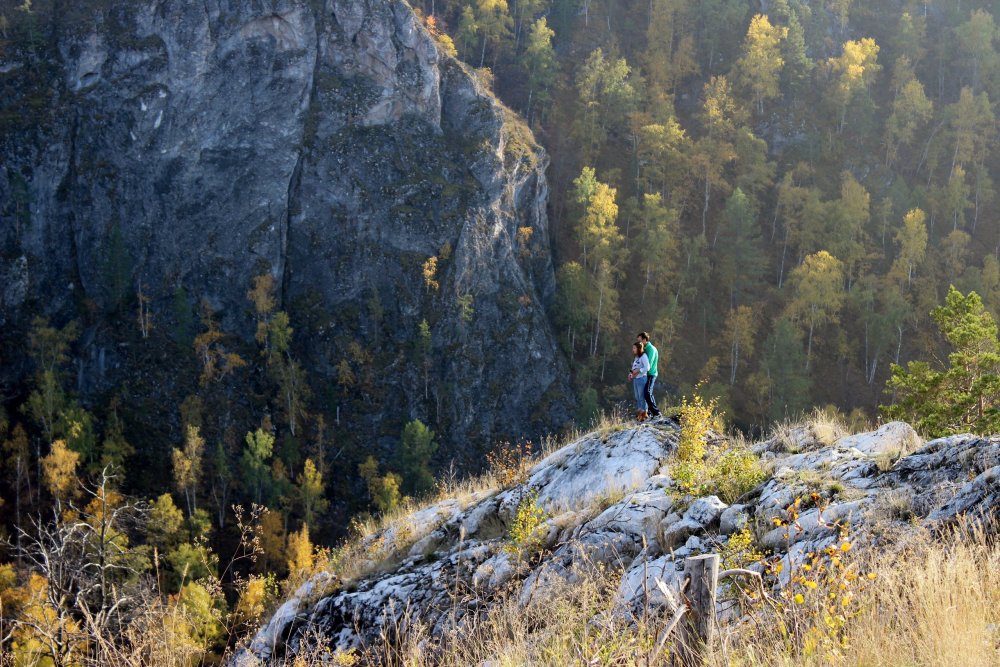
[{"x": 724, "y": 174}]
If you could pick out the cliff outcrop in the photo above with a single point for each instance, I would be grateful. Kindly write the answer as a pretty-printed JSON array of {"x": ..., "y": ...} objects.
[
  {"x": 331, "y": 144},
  {"x": 609, "y": 501}
]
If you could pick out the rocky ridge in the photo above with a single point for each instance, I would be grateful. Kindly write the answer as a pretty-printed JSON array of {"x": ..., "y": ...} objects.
[
  {"x": 610, "y": 502},
  {"x": 330, "y": 143}
]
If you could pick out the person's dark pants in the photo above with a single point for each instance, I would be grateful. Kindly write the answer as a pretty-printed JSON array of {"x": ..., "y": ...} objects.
[{"x": 650, "y": 401}]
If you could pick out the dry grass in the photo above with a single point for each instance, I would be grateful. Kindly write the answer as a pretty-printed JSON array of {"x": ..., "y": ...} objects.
[
  {"x": 934, "y": 603},
  {"x": 821, "y": 427},
  {"x": 572, "y": 624}
]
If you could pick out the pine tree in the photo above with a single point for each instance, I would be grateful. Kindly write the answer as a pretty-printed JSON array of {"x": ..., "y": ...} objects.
[
  {"x": 741, "y": 261},
  {"x": 964, "y": 395},
  {"x": 783, "y": 365},
  {"x": 416, "y": 447}
]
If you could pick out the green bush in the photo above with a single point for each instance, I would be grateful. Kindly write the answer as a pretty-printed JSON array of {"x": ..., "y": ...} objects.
[
  {"x": 736, "y": 472},
  {"x": 526, "y": 531}
]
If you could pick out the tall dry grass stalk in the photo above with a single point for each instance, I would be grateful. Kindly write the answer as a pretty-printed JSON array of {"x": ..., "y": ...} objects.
[{"x": 934, "y": 603}]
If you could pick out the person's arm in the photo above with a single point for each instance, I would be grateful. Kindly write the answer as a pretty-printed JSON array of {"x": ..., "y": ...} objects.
[{"x": 643, "y": 367}]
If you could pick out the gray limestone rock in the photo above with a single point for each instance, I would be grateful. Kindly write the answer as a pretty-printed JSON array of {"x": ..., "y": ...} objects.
[
  {"x": 327, "y": 143},
  {"x": 468, "y": 570},
  {"x": 732, "y": 519},
  {"x": 705, "y": 511}
]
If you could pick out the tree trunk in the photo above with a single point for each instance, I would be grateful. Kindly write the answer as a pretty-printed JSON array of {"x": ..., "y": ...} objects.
[
  {"x": 735, "y": 357},
  {"x": 597, "y": 323},
  {"x": 698, "y": 632},
  {"x": 704, "y": 209},
  {"x": 809, "y": 346}
]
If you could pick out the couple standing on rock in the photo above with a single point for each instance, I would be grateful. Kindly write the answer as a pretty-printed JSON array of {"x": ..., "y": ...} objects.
[{"x": 643, "y": 376}]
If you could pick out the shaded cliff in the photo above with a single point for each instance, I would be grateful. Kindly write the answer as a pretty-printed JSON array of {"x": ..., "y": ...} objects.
[{"x": 192, "y": 147}]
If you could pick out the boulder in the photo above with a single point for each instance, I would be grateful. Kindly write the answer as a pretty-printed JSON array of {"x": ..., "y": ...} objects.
[{"x": 705, "y": 511}]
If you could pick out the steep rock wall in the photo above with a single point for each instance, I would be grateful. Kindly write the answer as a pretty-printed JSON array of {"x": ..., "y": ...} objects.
[{"x": 329, "y": 143}]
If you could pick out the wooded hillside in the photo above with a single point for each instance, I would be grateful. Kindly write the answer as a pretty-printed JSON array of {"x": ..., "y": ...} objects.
[{"x": 779, "y": 191}]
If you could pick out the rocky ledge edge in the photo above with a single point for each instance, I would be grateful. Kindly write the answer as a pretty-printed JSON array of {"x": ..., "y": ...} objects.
[{"x": 610, "y": 502}]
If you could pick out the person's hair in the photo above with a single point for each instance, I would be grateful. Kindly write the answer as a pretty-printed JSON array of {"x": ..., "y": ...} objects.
[
  {"x": 637, "y": 349},
  {"x": 643, "y": 335}
]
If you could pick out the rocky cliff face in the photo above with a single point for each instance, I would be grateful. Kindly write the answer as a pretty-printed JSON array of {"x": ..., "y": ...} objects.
[
  {"x": 611, "y": 503},
  {"x": 329, "y": 143}
]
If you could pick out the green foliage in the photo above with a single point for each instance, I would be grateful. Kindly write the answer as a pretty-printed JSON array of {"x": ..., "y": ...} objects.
[
  {"x": 526, "y": 528},
  {"x": 78, "y": 429},
  {"x": 416, "y": 447},
  {"x": 784, "y": 364},
  {"x": 726, "y": 470},
  {"x": 465, "y": 308},
  {"x": 191, "y": 562},
  {"x": 201, "y": 613},
  {"x": 742, "y": 261},
  {"x": 384, "y": 490},
  {"x": 256, "y": 463},
  {"x": 740, "y": 549},
  {"x": 540, "y": 62},
  {"x": 49, "y": 350},
  {"x": 736, "y": 471},
  {"x": 115, "y": 449},
  {"x": 697, "y": 417},
  {"x": 965, "y": 395},
  {"x": 164, "y": 525}
]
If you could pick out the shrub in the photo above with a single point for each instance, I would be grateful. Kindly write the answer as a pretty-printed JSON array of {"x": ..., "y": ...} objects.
[
  {"x": 696, "y": 418},
  {"x": 728, "y": 471},
  {"x": 525, "y": 530},
  {"x": 822, "y": 598},
  {"x": 741, "y": 549},
  {"x": 737, "y": 472},
  {"x": 509, "y": 463}
]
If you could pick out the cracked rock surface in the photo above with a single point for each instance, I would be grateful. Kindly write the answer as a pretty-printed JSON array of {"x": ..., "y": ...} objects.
[{"x": 610, "y": 503}]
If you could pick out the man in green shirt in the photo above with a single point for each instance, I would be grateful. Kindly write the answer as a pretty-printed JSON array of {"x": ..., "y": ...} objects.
[{"x": 654, "y": 356}]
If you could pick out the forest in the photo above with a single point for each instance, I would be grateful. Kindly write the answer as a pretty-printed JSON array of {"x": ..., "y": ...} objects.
[{"x": 780, "y": 192}]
